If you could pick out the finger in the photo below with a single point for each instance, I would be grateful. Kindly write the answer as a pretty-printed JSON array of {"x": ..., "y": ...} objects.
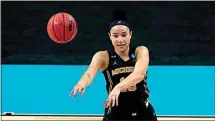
[
  {"x": 108, "y": 102},
  {"x": 70, "y": 94},
  {"x": 105, "y": 104},
  {"x": 117, "y": 99},
  {"x": 74, "y": 92},
  {"x": 113, "y": 100},
  {"x": 82, "y": 91},
  {"x": 79, "y": 90}
]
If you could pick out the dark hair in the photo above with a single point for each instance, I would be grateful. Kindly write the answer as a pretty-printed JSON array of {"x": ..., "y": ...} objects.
[{"x": 119, "y": 18}]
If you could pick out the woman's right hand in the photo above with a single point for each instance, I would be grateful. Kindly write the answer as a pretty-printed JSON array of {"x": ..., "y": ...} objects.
[{"x": 80, "y": 88}]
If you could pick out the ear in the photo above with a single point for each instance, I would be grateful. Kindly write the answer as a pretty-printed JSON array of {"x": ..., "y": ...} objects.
[
  {"x": 109, "y": 34},
  {"x": 131, "y": 33}
]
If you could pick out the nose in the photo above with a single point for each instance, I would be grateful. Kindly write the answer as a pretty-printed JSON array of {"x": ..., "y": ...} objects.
[{"x": 120, "y": 39}]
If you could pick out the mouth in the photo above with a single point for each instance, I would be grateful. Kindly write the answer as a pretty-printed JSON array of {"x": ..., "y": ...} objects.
[{"x": 121, "y": 45}]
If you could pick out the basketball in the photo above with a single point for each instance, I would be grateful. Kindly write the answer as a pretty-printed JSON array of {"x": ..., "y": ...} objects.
[{"x": 62, "y": 27}]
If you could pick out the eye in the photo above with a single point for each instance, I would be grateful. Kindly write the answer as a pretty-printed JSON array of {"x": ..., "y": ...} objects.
[
  {"x": 124, "y": 35},
  {"x": 115, "y": 36}
]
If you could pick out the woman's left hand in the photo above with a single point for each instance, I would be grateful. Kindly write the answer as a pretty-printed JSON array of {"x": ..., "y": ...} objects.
[{"x": 113, "y": 97}]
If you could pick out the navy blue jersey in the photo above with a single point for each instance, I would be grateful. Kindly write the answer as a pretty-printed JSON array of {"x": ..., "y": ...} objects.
[{"x": 118, "y": 70}]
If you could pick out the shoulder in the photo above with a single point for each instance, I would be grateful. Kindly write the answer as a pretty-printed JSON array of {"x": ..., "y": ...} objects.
[
  {"x": 103, "y": 57},
  {"x": 101, "y": 53},
  {"x": 141, "y": 50}
]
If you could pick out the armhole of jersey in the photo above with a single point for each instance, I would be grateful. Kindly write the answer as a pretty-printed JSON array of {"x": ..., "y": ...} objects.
[{"x": 133, "y": 51}]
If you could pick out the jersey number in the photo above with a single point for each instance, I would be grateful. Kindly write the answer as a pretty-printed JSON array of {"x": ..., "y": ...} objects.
[{"x": 130, "y": 89}]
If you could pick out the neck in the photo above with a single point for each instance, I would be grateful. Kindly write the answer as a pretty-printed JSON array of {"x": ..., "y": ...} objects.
[{"x": 124, "y": 53}]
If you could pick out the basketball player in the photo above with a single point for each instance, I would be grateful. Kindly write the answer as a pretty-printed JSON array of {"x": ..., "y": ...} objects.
[{"x": 125, "y": 71}]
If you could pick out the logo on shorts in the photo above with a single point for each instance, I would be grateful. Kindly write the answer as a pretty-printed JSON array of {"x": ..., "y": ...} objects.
[{"x": 134, "y": 114}]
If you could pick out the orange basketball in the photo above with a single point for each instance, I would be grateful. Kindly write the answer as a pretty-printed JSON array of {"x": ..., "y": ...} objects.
[{"x": 62, "y": 28}]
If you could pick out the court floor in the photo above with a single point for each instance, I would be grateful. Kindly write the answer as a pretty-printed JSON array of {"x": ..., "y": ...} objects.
[{"x": 95, "y": 118}]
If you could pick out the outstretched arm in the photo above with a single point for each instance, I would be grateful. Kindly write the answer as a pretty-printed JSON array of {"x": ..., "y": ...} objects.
[
  {"x": 96, "y": 64},
  {"x": 140, "y": 69}
]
